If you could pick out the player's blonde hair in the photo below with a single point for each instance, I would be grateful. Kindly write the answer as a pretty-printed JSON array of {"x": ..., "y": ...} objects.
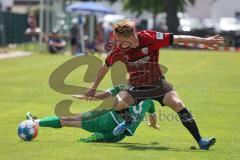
[{"x": 124, "y": 28}]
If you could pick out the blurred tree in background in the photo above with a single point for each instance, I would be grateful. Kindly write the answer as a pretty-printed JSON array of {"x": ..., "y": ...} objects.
[{"x": 170, "y": 7}]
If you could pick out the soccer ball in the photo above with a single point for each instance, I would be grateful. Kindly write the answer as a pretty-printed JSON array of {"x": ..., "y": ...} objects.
[{"x": 27, "y": 130}]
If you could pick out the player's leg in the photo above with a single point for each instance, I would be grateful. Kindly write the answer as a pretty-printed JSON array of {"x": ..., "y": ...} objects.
[
  {"x": 91, "y": 121},
  {"x": 172, "y": 100},
  {"x": 121, "y": 104},
  {"x": 57, "y": 122},
  {"x": 122, "y": 101},
  {"x": 101, "y": 123},
  {"x": 73, "y": 121},
  {"x": 133, "y": 96}
]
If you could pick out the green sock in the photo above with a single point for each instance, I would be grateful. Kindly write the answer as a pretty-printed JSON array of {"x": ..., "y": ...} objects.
[{"x": 52, "y": 121}]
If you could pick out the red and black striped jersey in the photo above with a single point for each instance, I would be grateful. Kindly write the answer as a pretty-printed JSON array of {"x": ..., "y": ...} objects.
[{"x": 142, "y": 62}]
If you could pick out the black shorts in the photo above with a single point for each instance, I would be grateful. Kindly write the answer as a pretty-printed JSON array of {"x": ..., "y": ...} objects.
[{"x": 156, "y": 91}]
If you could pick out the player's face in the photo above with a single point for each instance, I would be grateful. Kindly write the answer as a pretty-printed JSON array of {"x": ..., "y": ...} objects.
[{"x": 127, "y": 42}]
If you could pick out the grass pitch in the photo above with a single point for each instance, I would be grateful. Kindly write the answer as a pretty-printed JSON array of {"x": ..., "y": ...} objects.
[{"x": 208, "y": 83}]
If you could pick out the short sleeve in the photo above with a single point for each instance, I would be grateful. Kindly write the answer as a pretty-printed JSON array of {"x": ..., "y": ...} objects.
[
  {"x": 110, "y": 59},
  {"x": 115, "y": 56},
  {"x": 115, "y": 90},
  {"x": 159, "y": 39},
  {"x": 151, "y": 108}
]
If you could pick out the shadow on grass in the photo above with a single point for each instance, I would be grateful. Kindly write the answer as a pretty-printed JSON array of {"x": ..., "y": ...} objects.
[
  {"x": 129, "y": 146},
  {"x": 144, "y": 147}
]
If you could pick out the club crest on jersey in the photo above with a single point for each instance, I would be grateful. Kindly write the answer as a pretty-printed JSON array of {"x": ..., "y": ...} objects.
[
  {"x": 144, "y": 50},
  {"x": 159, "y": 35}
]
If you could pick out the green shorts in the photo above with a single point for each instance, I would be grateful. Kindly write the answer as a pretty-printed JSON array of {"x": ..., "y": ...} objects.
[
  {"x": 101, "y": 122},
  {"x": 98, "y": 121}
]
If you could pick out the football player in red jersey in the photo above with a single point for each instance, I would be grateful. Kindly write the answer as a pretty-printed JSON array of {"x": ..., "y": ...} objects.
[{"x": 139, "y": 51}]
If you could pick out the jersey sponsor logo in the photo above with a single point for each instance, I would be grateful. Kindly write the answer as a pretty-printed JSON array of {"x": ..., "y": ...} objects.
[
  {"x": 144, "y": 50},
  {"x": 137, "y": 117},
  {"x": 138, "y": 109},
  {"x": 159, "y": 35},
  {"x": 139, "y": 62}
]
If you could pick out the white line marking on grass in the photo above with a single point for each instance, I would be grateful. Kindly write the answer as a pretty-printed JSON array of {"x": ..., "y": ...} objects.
[{"x": 14, "y": 54}]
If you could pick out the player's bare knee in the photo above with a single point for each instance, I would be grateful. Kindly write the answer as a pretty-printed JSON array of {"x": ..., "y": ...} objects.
[
  {"x": 121, "y": 101},
  {"x": 70, "y": 121},
  {"x": 77, "y": 117},
  {"x": 178, "y": 104},
  {"x": 121, "y": 105},
  {"x": 62, "y": 122},
  {"x": 115, "y": 103},
  {"x": 125, "y": 97}
]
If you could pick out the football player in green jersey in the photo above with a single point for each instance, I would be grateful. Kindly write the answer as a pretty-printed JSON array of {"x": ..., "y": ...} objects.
[{"x": 102, "y": 122}]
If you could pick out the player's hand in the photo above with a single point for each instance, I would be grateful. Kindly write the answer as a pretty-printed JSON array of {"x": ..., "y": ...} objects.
[
  {"x": 90, "y": 93},
  {"x": 153, "y": 121},
  {"x": 214, "y": 41}
]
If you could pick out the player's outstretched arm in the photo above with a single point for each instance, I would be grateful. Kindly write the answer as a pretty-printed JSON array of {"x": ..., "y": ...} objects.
[
  {"x": 97, "y": 96},
  {"x": 152, "y": 115},
  {"x": 212, "y": 41},
  {"x": 102, "y": 95},
  {"x": 101, "y": 73}
]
